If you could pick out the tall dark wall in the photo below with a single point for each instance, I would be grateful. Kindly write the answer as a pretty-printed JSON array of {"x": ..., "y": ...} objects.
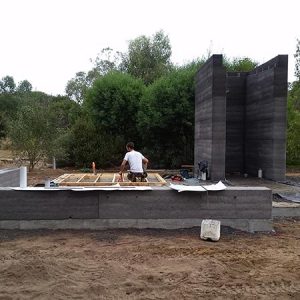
[
  {"x": 265, "y": 134},
  {"x": 246, "y": 124},
  {"x": 235, "y": 121},
  {"x": 210, "y": 117}
]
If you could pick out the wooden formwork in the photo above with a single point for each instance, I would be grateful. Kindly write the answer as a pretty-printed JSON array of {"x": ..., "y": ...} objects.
[{"x": 106, "y": 179}]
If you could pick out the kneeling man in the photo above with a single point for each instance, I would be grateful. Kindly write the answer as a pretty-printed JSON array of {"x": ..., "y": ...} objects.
[{"x": 137, "y": 164}]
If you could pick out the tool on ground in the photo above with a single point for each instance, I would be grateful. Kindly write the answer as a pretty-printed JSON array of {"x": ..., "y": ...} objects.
[{"x": 177, "y": 178}]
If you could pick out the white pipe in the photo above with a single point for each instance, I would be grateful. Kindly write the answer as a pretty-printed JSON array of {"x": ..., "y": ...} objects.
[
  {"x": 23, "y": 177},
  {"x": 47, "y": 182},
  {"x": 54, "y": 163}
]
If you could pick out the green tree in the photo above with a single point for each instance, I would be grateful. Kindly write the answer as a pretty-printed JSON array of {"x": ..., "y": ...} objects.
[
  {"x": 32, "y": 132},
  {"x": 64, "y": 111},
  {"x": 166, "y": 118},
  {"x": 113, "y": 103},
  {"x": 148, "y": 58},
  {"x": 293, "y": 124},
  {"x": 7, "y": 85},
  {"x": 89, "y": 144},
  {"x": 239, "y": 64},
  {"x": 24, "y": 87},
  {"x": 107, "y": 61},
  {"x": 2, "y": 125},
  {"x": 77, "y": 87},
  {"x": 8, "y": 108},
  {"x": 297, "y": 60}
]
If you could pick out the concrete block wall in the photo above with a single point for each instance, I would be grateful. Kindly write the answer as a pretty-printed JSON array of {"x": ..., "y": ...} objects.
[
  {"x": 243, "y": 128},
  {"x": 210, "y": 117},
  {"x": 265, "y": 134},
  {"x": 9, "y": 177}
]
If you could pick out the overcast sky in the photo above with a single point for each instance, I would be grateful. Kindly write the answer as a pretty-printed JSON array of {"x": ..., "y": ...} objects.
[{"x": 48, "y": 41}]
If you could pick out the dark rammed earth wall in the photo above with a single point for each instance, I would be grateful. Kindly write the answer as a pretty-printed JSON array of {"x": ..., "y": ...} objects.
[
  {"x": 266, "y": 119},
  {"x": 240, "y": 119},
  {"x": 210, "y": 120}
]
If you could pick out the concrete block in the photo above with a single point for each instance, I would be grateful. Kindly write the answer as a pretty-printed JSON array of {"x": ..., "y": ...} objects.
[{"x": 210, "y": 230}]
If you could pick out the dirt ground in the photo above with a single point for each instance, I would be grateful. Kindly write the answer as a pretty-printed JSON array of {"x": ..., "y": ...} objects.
[{"x": 150, "y": 264}]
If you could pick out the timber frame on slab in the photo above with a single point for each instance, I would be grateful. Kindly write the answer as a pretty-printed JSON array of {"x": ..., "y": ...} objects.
[{"x": 106, "y": 179}]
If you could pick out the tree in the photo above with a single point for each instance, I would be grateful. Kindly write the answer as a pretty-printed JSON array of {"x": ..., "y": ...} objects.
[
  {"x": 77, "y": 87},
  {"x": 297, "y": 60},
  {"x": 64, "y": 111},
  {"x": 7, "y": 85},
  {"x": 33, "y": 132},
  {"x": 148, "y": 58},
  {"x": 9, "y": 104},
  {"x": 239, "y": 64},
  {"x": 89, "y": 144},
  {"x": 113, "y": 103},
  {"x": 107, "y": 61},
  {"x": 24, "y": 87},
  {"x": 166, "y": 115},
  {"x": 2, "y": 125},
  {"x": 293, "y": 124}
]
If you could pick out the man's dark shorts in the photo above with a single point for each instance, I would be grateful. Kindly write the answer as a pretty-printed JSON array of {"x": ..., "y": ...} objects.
[{"x": 133, "y": 177}]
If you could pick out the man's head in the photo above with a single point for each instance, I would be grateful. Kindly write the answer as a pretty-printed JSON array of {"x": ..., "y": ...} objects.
[{"x": 130, "y": 146}]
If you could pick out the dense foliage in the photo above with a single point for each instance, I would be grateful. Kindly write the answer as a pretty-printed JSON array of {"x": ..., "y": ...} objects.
[
  {"x": 166, "y": 118},
  {"x": 293, "y": 125}
]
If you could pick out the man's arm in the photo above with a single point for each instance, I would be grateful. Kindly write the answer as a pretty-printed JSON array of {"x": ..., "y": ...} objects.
[
  {"x": 145, "y": 162},
  {"x": 123, "y": 164}
]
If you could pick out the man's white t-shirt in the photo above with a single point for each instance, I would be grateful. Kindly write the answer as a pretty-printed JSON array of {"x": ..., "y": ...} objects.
[{"x": 135, "y": 160}]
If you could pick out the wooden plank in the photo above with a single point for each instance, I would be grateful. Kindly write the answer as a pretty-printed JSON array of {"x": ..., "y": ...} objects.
[
  {"x": 62, "y": 177},
  {"x": 86, "y": 184},
  {"x": 160, "y": 179},
  {"x": 80, "y": 178},
  {"x": 97, "y": 178}
]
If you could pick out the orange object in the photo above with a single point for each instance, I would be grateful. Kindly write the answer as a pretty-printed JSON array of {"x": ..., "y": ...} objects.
[{"x": 94, "y": 167}]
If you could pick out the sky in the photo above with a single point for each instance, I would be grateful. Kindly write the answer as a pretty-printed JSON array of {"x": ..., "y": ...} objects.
[{"x": 48, "y": 41}]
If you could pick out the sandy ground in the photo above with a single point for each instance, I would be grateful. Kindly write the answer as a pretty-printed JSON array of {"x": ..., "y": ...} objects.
[{"x": 150, "y": 264}]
